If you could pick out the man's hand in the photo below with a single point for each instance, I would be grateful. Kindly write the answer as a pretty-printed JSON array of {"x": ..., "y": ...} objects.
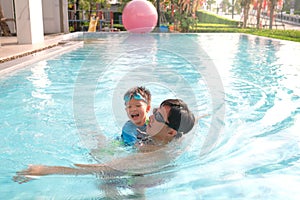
[{"x": 30, "y": 173}]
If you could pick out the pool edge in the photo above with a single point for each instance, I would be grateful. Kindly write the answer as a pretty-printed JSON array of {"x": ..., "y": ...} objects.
[{"x": 54, "y": 47}]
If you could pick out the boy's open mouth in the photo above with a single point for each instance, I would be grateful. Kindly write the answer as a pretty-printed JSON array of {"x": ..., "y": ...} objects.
[{"x": 135, "y": 116}]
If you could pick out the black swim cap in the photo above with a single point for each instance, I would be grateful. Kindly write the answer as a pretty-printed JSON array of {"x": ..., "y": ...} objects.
[{"x": 180, "y": 117}]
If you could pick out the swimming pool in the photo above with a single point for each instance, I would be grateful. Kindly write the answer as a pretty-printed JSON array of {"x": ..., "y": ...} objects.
[{"x": 54, "y": 111}]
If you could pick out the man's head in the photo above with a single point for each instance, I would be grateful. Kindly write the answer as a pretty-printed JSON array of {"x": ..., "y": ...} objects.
[
  {"x": 172, "y": 119},
  {"x": 138, "y": 104}
]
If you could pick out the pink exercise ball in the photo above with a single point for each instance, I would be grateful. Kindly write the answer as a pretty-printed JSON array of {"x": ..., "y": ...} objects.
[{"x": 139, "y": 16}]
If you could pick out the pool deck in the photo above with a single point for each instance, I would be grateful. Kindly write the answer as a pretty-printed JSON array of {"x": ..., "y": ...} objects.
[
  {"x": 14, "y": 55},
  {"x": 10, "y": 49}
]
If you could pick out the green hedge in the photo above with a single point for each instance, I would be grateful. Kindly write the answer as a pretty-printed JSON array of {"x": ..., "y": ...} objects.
[
  {"x": 120, "y": 27},
  {"x": 292, "y": 35},
  {"x": 206, "y": 17},
  {"x": 207, "y": 25},
  {"x": 296, "y": 12}
]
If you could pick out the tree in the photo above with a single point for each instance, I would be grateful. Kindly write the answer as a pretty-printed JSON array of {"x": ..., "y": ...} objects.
[
  {"x": 186, "y": 12},
  {"x": 210, "y": 2},
  {"x": 3, "y": 24},
  {"x": 272, "y": 4},
  {"x": 259, "y": 7},
  {"x": 246, "y": 6},
  {"x": 225, "y": 4}
]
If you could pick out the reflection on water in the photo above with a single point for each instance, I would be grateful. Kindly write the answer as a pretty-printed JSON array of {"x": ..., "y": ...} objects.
[
  {"x": 55, "y": 112},
  {"x": 40, "y": 81}
]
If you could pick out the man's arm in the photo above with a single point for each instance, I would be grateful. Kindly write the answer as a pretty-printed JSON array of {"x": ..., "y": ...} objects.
[
  {"x": 82, "y": 169},
  {"x": 140, "y": 163},
  {"x": 42, "y": 170}
]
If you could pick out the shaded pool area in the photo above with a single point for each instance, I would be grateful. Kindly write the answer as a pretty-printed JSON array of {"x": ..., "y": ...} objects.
[{"x": 60, "y": 110}]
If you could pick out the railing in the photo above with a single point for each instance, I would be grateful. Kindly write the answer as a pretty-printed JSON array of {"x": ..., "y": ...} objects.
[
  {"x": 292, "y": 19},
  {"x": 82, "y": 23}
]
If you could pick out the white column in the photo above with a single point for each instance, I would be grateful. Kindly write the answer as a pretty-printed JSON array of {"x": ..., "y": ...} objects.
[{"x": 29, "y": 21}]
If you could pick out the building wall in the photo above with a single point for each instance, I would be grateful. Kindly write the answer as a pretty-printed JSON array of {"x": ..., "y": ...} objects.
[
  {"x": 55, "y": 15},
  {"x": 51, "y": 16}
]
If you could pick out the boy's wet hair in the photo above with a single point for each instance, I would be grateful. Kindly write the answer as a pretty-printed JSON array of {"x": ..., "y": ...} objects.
[
  {"x": 140, "y": 92},
  {"x": 180, "y": 117}
]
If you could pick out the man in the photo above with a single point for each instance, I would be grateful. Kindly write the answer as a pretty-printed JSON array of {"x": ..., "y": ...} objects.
[{"x": 168, "y": 123}]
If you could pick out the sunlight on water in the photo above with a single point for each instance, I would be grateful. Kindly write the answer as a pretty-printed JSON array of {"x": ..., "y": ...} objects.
[{"x": 56, "y": 111}]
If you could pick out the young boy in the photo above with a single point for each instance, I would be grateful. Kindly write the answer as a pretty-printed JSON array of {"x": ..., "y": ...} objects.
[{"x": 138, "y": 104}]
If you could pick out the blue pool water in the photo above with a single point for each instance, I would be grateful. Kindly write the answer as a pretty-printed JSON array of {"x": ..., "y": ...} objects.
[{"x": 59, "y": 110}]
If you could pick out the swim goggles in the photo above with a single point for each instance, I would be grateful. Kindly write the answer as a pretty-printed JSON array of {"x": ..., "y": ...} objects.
[
  {"x": 135, "y": 95},
  {"x": 158, "y": 117}
]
